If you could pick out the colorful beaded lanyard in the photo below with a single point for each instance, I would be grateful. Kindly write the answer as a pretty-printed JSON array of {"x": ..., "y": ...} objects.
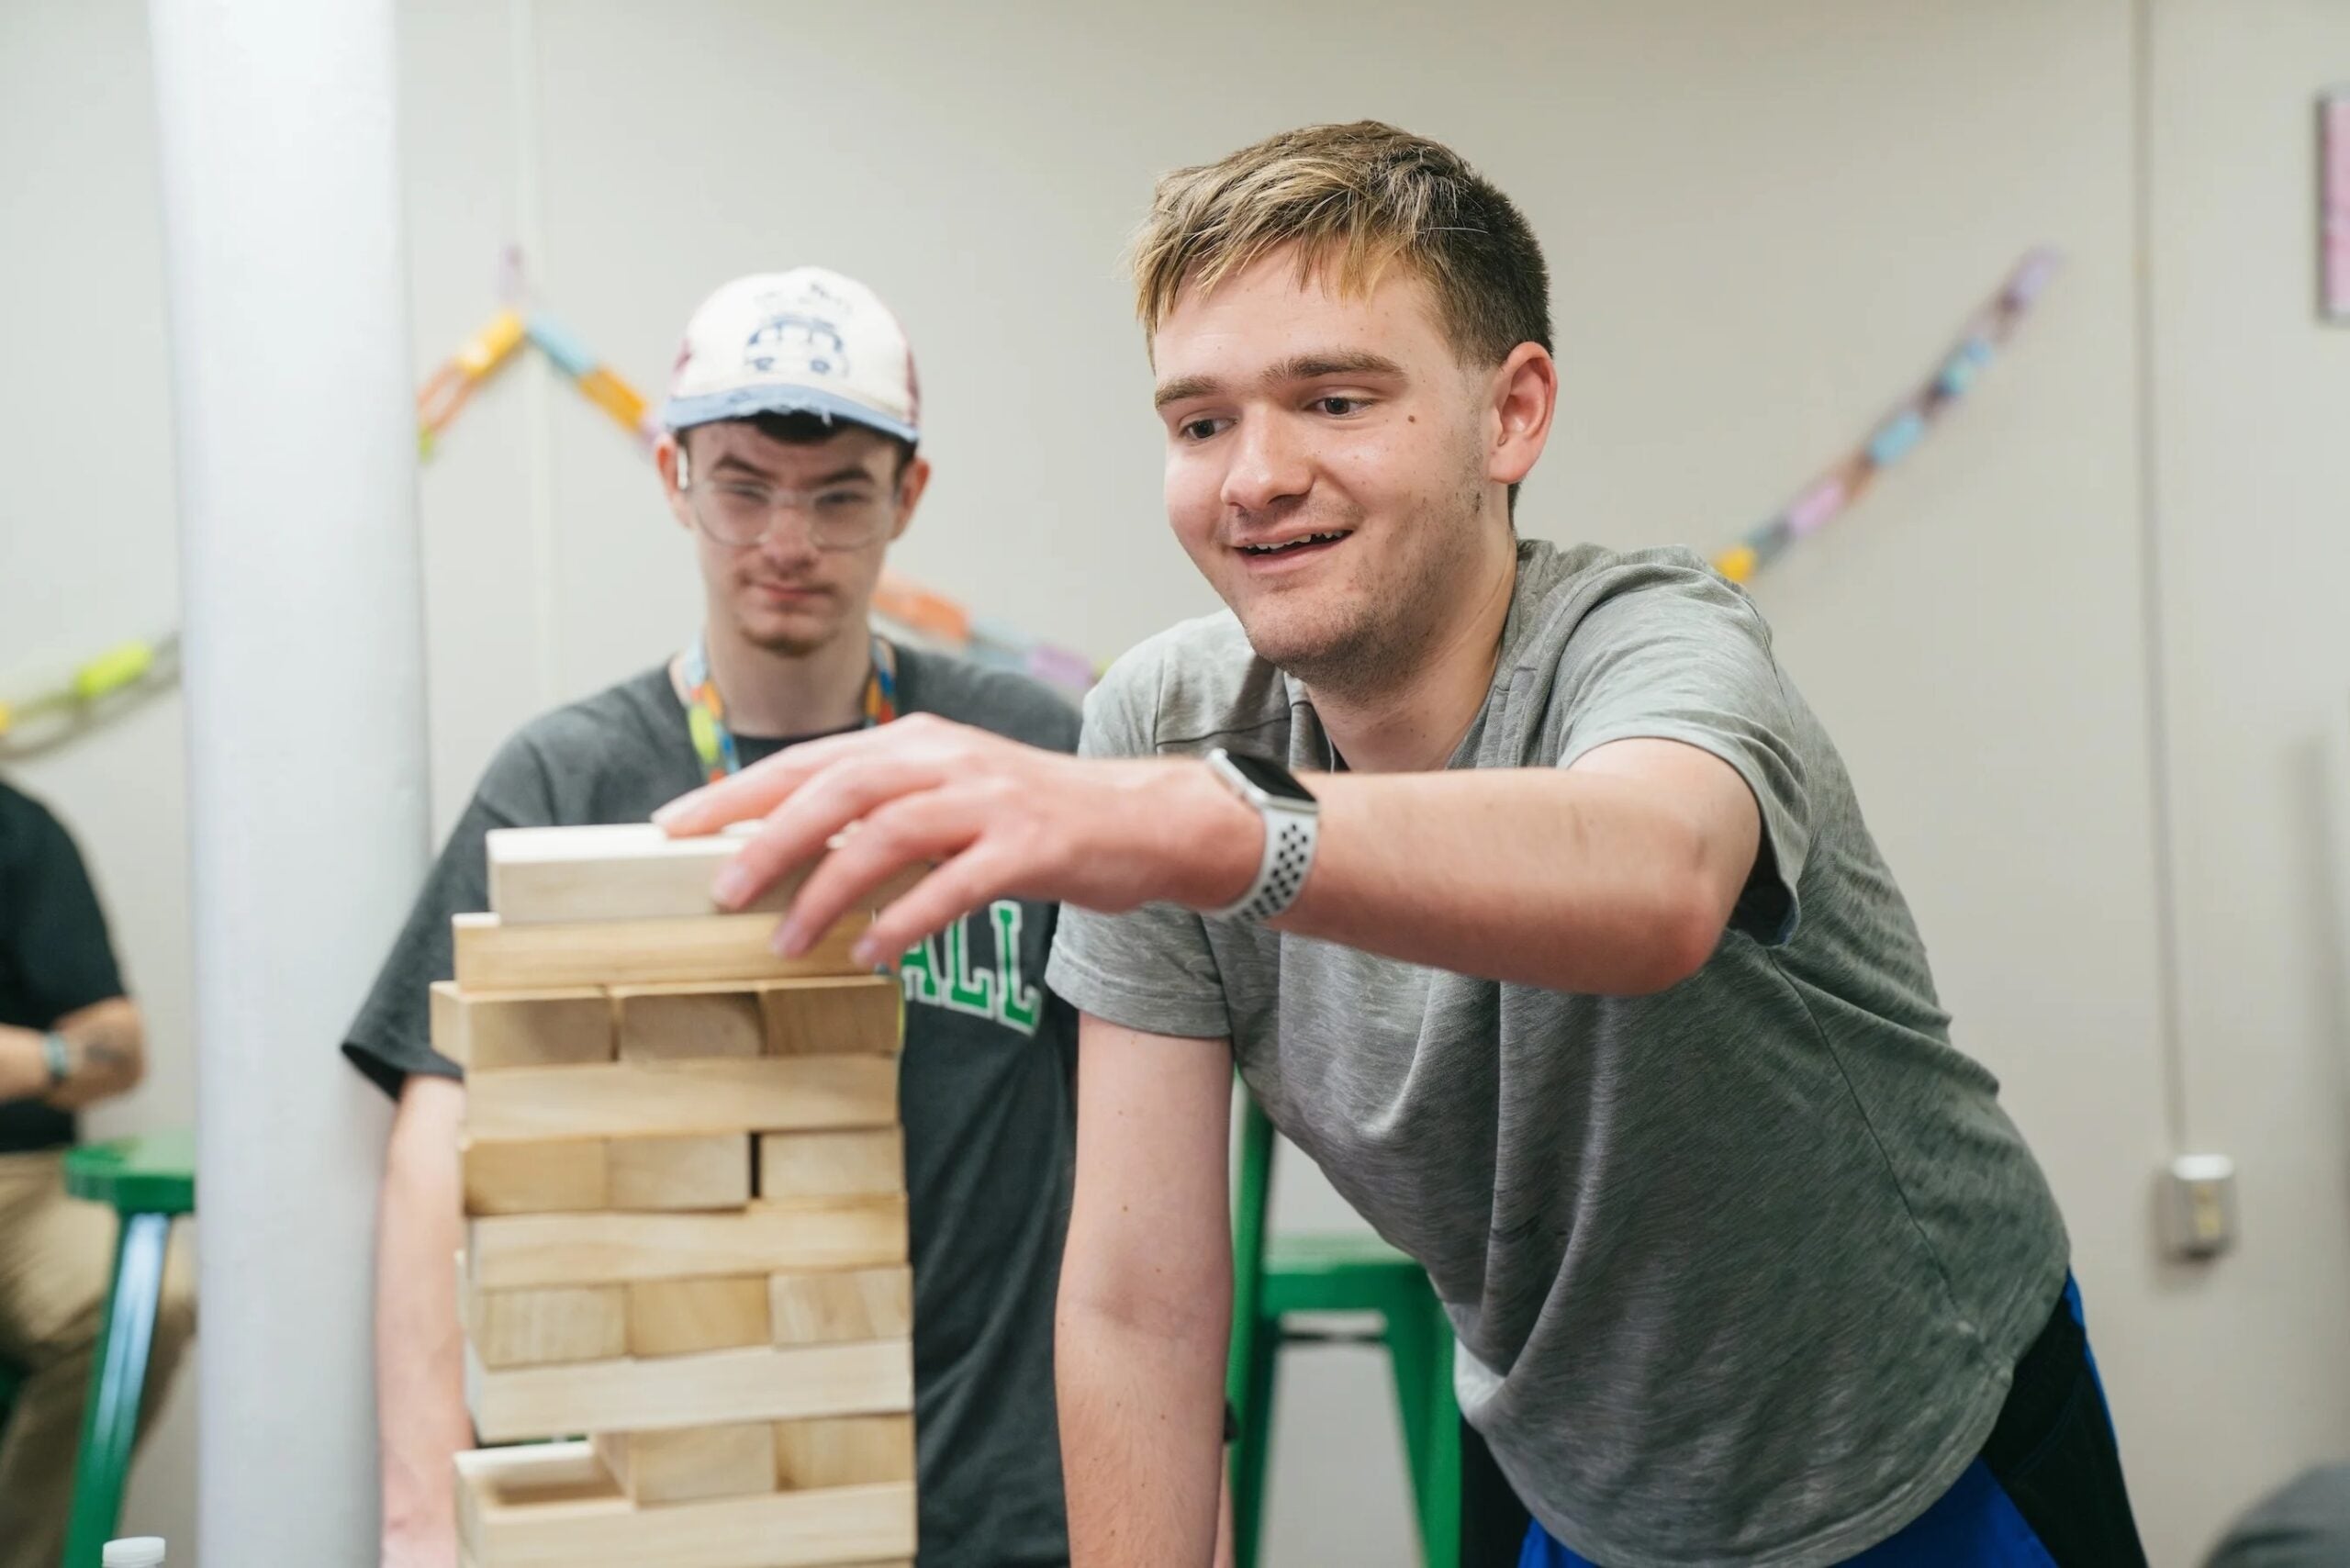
[{"x": 706, "y": 710}]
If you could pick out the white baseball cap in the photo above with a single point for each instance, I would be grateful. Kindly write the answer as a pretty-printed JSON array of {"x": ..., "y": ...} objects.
[{"x": 805, "y": 342}]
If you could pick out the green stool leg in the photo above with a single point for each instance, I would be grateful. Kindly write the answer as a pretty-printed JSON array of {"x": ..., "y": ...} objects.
[
  {"x": 1410, "y": 1353},
  {"x": 1248, "y": 1371},
  {"x": 110, "y": 1418},
  {"x": 1252, "y": 1452},
  {"x": 1438, "y": 1474}
]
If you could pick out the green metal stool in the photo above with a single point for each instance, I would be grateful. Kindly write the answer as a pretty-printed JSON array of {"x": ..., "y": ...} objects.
[
  {"x": 1335, "y": 1272},
  {"x": 150, "y": 1180}
]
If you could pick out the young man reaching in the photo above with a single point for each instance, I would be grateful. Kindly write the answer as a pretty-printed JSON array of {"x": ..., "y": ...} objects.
[
  {"x": 792, "y": 468},
  {"x": 1537, "y": 908}
]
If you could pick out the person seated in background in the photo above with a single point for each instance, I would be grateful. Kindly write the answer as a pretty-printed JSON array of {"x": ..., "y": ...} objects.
[
  {"x": 792, "y": 465},
  {"x": 68, "y": 1037},
  {"x": 2303, "y": 1524}
]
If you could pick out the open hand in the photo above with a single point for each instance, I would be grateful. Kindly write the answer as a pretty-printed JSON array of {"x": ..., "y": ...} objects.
[{"x": 996, "y": 817}]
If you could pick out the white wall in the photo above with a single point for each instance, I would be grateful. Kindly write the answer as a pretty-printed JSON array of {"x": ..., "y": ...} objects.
[
  {"x": 1763, "y": 223},
  {"x": 2251, "y": 462}
]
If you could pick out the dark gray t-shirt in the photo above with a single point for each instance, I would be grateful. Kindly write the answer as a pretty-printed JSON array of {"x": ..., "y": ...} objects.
[
  {"x": 984, "y": 1088},
  {"x": 1740, "y": 1270}
]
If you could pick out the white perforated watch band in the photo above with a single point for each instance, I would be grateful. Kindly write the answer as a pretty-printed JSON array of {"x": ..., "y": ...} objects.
[{"x": 1290, "y": 831}]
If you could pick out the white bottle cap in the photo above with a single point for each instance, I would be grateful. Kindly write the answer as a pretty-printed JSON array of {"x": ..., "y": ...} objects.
[{"x": 139, "y": 1551}]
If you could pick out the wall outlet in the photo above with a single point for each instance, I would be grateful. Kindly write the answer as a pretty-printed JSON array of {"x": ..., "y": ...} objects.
[{"x": 2199, "y": 1206}]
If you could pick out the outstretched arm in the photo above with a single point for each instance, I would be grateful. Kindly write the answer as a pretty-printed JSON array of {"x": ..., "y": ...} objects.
[{"x": 1614, "y": 875}]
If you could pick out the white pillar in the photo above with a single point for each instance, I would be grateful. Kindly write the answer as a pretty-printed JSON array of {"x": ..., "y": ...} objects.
[{"x": 304, "y": 672}]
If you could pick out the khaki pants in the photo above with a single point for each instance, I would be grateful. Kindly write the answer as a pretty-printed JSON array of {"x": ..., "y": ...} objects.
[{"x": 56, "y": 1261}]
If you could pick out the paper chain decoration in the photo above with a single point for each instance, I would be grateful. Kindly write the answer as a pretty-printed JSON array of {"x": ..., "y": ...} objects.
[
  {"x": 935, "y": 618},
  {"x": 445, "y": 391},
  {"x": 1898, "y": 436},
  {"x": 99, "y": 686}
]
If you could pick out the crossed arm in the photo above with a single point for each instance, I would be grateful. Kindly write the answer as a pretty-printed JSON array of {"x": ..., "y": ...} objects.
[{"x": 106, "y": 1046}]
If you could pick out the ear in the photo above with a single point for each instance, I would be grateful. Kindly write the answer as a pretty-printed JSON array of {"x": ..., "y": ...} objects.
[
  {"x": 669, "y": 458},
  {"x": 1522, "y": 395},
  {"x": 911, "y": 485}
]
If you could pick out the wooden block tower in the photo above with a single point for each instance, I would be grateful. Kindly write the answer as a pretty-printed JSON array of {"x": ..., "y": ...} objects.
[{"x": 686, "y": 1235}]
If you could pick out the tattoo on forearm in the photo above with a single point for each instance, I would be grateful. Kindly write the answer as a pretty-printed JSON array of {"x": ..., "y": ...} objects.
[{"x": 107, "y": 1046}]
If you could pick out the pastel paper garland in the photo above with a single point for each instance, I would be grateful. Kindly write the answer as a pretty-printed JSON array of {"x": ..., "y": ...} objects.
[
  {"x": 909, "y": 610},
  {"x": 1903, "y": 430}
]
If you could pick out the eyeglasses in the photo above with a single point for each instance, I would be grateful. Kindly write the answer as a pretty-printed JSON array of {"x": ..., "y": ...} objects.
[{"x": 838, "y": 518}]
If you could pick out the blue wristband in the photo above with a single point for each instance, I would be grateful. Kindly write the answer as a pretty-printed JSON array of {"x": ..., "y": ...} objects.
[{"x": 57, "y": 1054}]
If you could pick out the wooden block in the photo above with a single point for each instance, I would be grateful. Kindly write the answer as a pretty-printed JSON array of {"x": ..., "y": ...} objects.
[
  {"x": 829, "y": 1016},
  {"x": 720, "y": 1095},
  {"x": 710, "y": 1171},
  {"x": 652, "y": 1393},
  {"x": 831, "y": 1165},
  {"x": 617, "y": 872},
  {"x": 493, "y": 957},
  {"x": 732, "y": 1461},
  {"x": 508, "y": 1251},
  {"x": 676, "y": 1317},
  {"x": 554, "y": 1505},
  {"x": 841, "y": 1305},
  {"x": 557, "y": 1322},
  {"x": 542, "y": 1176},
  {"x": 540, "y": 1028},
  {"x": 664, "y": 1024},
  {"x": 843, "y": 1451}
]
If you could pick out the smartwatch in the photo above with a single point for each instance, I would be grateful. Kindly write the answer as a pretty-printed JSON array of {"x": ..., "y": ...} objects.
[{"x": 1291, "y": 816}]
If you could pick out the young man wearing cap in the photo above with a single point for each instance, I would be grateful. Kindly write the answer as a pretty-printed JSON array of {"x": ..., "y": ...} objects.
[
  {"x": 792, "y": 467},
  {"x": 1537, "y": 908}
]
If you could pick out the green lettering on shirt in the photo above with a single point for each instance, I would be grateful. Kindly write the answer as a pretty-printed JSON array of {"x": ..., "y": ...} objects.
[
  {"x": 919, "y": 971},
  {"x": 1017, "y": 1005},
  {"x": 966, "y": 991},
  {"x": 951, "y": 975}
]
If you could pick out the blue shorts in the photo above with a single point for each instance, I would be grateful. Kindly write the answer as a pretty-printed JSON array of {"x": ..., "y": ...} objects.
[{"x": 2046, "y": 1491}]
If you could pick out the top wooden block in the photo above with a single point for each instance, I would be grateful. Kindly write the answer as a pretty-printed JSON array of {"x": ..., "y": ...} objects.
[{"x": 615, "y": 871}]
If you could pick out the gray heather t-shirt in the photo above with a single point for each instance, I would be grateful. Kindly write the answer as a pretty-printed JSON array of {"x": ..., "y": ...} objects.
[
  {"x": 1742, "y": 1268},
  {"x": 984, "y": 1089}
]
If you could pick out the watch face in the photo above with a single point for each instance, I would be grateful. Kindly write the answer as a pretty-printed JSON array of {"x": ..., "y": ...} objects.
[{"x": 1268, "y": 775}]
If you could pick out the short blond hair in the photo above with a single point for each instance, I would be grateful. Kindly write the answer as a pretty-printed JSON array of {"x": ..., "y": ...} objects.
[{"x": 1352, "y": 200}]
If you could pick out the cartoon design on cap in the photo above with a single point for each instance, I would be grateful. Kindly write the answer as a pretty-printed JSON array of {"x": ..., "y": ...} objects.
[
  {"x": 810, "y": 342},
  {"x": 805, "y": 341}
]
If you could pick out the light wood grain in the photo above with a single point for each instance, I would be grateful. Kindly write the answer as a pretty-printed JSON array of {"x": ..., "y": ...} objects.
[
  {"x": 705, "y": 1171},
  {"x": 843, "y": 1451},
  {"x": 817, "y": 1017},
  {"x": 667, "y": 1023},
  {"x": 676, "y": 1317},
  {"x": 832, "y": 1306},
  {"x": 821, "y": 1165},
  {"x": 554, "y": 1505},
  {"x": 543, "y": 1176},
  {"x": 731, "y": 1461},
  {"x": 718, "y": 1094},
  {"x": 495, "y": 957},
  {"x": 653, "y": 1394},
  {"x": 509, "y": 1251},
  {"x": 555, "y": 1324},
  {"x": 612, "y": 871},
  {"x": 543, "y": 1028}
]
